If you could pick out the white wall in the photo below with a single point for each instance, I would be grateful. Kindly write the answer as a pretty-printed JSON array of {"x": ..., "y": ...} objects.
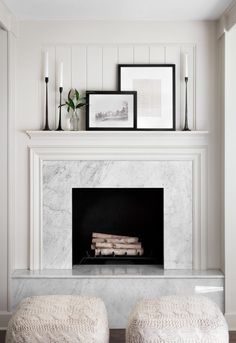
[
  {"x": 3, "y": 170},
  {"x": 90, "y": 51},
  {"x": 221, "y": 135},
  {"x": 7, "y": 156},
  {"x": 230, "y": 181}
]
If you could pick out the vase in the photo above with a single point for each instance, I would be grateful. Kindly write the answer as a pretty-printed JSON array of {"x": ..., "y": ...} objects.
[{"x": 72, "y": 120}]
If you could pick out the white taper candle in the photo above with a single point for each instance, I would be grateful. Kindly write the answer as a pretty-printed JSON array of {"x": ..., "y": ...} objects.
[
  {"x": 46, "y": 67},
  {"x": 61, "y": 75},
  {"x": 186, "y": 65}
]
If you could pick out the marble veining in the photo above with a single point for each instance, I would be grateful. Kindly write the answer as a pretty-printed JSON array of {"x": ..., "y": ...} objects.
[
  {"x": 120, "y": 295},
  {"x": 59, "y": 177}
]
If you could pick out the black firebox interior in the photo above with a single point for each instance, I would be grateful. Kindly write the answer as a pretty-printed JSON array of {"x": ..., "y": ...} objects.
[{"x": 120, "y": 211}]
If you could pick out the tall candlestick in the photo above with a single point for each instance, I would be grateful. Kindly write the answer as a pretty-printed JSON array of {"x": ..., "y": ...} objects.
[
  {"x": 186, "y": 128},
  {"x": 46, "y": 127},
  {"x": 61, "y": 75},
  {"x": 59, "y": 123},
  {"x": 185, "y": 72},
  {"x": 186, "y": 65},
  {"x": 46, "y": 66}
]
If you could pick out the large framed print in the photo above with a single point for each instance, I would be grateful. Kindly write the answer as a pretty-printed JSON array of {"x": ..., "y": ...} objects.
[
  {"x": 111, "y": 110},
  {"x": 155, "y": 86}
]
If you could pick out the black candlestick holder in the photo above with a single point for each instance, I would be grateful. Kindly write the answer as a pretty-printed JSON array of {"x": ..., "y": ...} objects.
[
  {"x": 186, "y": 128},
  {"x": 59, "y": 123},
  {"x": 46, "y": 127}
]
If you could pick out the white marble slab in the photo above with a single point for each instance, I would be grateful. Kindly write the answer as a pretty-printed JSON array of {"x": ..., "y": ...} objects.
[
  {"x": 118, "y": 271},
  {"x": 59, "y": 177},
  {"x": 119, "y": 294}
]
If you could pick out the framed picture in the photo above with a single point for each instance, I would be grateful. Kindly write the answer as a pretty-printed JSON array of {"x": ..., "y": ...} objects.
[
  {"x": 111, "y": 110},
  {"x": 155, "y": 86}
]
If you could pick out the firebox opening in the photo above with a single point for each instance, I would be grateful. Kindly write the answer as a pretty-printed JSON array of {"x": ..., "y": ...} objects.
[{"x": 117, "y": 226}]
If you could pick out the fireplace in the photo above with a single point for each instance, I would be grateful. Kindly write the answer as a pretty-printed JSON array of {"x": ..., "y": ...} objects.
[
  {"x": 175, "y": 177},
  {"x": 133, "y": 213}
]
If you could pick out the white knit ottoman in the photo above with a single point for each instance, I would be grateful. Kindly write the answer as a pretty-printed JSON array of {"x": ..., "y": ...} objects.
[
  {"x": 59, "y": 319},
  {"x": 181, "y": 319}
]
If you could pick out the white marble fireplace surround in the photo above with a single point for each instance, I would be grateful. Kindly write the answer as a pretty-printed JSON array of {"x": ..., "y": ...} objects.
[
  {"x": 175, "y": 161},
  {"x": 59, "y": 177}
]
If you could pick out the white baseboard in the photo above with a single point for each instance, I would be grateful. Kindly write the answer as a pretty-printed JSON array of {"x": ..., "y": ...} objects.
[
  {"x": 231, "y": 320},
  {"x": 4, "y": 319}
]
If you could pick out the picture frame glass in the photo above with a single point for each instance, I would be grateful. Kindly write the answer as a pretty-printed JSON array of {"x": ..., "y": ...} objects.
[
  {"x": 111, "y": 111},
  {"x": 155, "y": 94}
]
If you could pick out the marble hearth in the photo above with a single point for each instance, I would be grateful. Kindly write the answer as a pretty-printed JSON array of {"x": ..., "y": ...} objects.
[{"x": 120, "y": 287}]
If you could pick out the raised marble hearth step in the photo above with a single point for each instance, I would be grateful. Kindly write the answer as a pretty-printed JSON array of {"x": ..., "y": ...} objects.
[{"x": 119, "y": 286}]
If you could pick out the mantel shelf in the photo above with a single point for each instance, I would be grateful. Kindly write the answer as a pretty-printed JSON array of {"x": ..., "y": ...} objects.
[
  {"x": 127, "y": 134},
  {"x": 118, "y": 138}
]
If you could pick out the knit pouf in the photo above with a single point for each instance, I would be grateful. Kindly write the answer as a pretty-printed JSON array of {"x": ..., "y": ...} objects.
[
  {"x": 172, "y": 319},
  {"x": 57, "y": 319}
]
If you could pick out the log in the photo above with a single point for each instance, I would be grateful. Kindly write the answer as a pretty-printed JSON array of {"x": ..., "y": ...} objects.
[
  {"x": 116, "y": 240},
  {"x": 118, "y": 252},
  {"x": 127, "y": 246},
  {"x": 103, "y": 245},
  {"x": 98, "y": 240},
  {"x": 116, "y": 246},
  {"x": 129, "y": 240},
  {"x": 107, "y": 236}
]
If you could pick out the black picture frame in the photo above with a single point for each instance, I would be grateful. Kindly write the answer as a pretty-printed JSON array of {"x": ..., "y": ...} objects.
[
  {"x": 90, "y": 94},
  {"x": 172, "y": 90}
]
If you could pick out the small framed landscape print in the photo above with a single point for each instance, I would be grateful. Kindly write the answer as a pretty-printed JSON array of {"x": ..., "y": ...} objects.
[
  {"x": 155, "y": 86},
  {"x": 111, "y": 110}
]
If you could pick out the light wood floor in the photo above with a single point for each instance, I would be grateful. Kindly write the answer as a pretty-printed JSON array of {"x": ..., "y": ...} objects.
[{"x": 118, "y": 336}]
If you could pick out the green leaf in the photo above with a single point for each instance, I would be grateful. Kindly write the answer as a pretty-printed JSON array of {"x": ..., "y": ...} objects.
[
  {"x": 70, "y": 103},
  {"x": 77, "y": 95},
  {"x": 80, "y": 105},
  {"x": 69, "y": 94}
]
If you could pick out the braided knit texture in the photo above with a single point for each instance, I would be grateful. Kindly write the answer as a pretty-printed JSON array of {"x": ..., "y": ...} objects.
[
  {"x": 51, "y": 319},
  {"x": 177, "y": 319}
]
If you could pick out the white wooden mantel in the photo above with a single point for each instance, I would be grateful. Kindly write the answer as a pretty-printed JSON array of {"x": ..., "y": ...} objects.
[
  {"x": 183, "y": 138},
  {"x": 120, "y": 145}
]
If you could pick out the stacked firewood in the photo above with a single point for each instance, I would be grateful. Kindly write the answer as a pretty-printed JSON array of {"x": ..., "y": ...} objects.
[{"x": 106, "y": 244}]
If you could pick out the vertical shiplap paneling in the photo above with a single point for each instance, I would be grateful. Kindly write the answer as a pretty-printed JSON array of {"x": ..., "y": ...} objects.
[
  {"x": 63, "y": 54},
  {"x": 173, "y": 56},
  {"x": 157, "y": 54},
  {"x": 109, "y": 67},
  {"x": 78, "y": 65},
  {"x": 94, "y": 67},
  {"x": 51, "y": 85},
  {"x": 141, "y": 54},
  {"x": 190, "y": 50},
  {"x": 126, "y": 54}
]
